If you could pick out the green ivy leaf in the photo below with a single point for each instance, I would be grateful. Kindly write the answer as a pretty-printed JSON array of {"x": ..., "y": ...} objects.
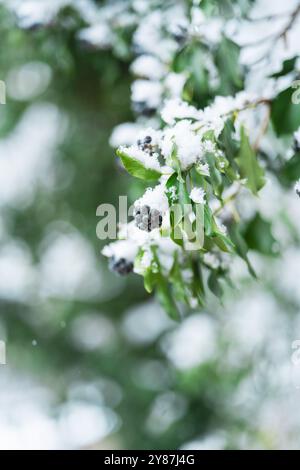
[
  {"x": 136, "y": 168},
  {"x": 227, "y": 61},
  {"x": 166, "y": 299},
  {"x": 172, "y": 183},
  {"x": 285, "y": 114},
  {"x": 197, "y": 285},
  {"x": 249, "y": 166},
  {"x": 177, "y": 281},
  {"x": 173, "y": 198},
  {"x": 290, "y": 171},
  {"x": 259, "y": 237},
  {"x": 208, "y": 221},
  {"x": 223, "y": 242},
  {"x": 214, "y": 284},
  {"x": 229, "y": 145},
  {"x": 215, "y": 175},
  {"x": 213, "y": 232},
  {"x": 150, "y": 280},
  {"x": 191, "y": 60},
  {"x": 288, "y": 66}
]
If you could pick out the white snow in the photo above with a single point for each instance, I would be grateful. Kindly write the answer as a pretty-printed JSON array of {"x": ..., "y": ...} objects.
[
  {"x": 154, "y": 198},
  {"x": 197, "y": 195},
  {"x": 125, "y": 134},
  {"x": 186, "y": 141},
  {"x": 149, "y": 161},
  {"x": 121, "y": 249},
  {"x": 175, "y": 109},
  {"x": 148, "y": 66},
  {"x": 148, "y": 92}
]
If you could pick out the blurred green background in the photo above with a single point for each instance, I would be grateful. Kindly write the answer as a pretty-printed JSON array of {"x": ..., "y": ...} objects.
[{"x": 92, "y": 361}]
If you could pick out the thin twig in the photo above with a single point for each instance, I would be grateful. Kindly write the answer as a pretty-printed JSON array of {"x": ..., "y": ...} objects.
[
  {"x": 268, "y": 17},
  {"x": 290, "y": 23},
  {"x": 275, "y": 37},
  {"x": 249, "y": 105},
  {"x": 227, "y": 200}
]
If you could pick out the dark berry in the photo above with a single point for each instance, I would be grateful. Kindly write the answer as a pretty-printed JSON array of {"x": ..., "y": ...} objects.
[
  {"x": 145, "y": 144},
  {"x": 147, "y": 219},
  {"x": 120, "y": 266},
  {"x": 296, "y": 145},
  {"x": 142, "y": 108},
  {"x": 180, "y": 34}
]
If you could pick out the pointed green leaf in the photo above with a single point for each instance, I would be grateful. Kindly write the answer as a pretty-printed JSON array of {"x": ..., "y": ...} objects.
[
  {"x": 166, "y": 299},
  {"x": 214, "y": 285},
  {"x": 136, "y": 168},
  {"x": 249, "y": 166}
]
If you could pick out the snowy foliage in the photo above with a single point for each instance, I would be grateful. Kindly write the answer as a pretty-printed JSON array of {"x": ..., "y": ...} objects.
[
  {"x": 212, "y": 134},
  {"x": 214, "y": 98}
]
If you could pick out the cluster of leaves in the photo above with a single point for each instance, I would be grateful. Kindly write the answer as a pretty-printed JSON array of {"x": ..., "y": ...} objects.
[
  {"x": 196, "y": 229},
  {"x": 212, "y": 68}
]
